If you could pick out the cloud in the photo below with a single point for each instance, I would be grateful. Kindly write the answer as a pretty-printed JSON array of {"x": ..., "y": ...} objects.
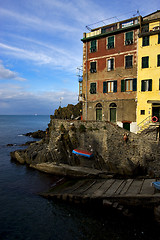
[
  {"x": 6, "y": 74},
  {"x": 16, "y": 100}
]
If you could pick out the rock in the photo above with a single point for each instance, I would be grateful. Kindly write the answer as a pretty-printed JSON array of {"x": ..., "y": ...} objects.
[{"x": 38, "y": 134}]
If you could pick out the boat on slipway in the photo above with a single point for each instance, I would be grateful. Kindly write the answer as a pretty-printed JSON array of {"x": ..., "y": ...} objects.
[{"x": 83, "y": 153}]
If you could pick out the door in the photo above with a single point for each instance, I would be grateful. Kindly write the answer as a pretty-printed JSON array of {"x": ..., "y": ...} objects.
[
  {"x": 126, "y": 126},
  {"x": 113, "y": 114},
  {"x": 156, "y": 112},
  {"x": 99, "y": 114}
]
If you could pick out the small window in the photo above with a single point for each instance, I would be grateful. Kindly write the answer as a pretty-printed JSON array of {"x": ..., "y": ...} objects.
[
  {"x": 110, "y": 86},
  {"x": 110, "y": 64},
  {"x": 145, "y": 28},
  {"x": 80, "y": 88},
  {"x": 129, "y": 38},
  {"x": 93, "y": 46},
  {"x": 145, "y": 41},
  {"x": 158, "y": 60},
  {"x": 128, "y": 61},
  {"x": 110, "y": 42},
  {"x": 158, "y": 38},
  {"x": 145, "y": 62},
  {"x": 146, "y": 85},
  {"x": 129, "y": 85},
  {"x": 142, "y": 112},
  {"x": 93, "y": 67},
  {"x": 93, "y": 88}
]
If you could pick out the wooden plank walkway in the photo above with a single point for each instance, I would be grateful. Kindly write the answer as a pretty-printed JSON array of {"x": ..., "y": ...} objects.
[{"x": 124, "y": 191}]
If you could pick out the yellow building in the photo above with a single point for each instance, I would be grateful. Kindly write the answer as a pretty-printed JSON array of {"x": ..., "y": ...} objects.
[{"x": 148, "y": 83}]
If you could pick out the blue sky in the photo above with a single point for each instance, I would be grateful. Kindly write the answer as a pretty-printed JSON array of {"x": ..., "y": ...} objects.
[{"x": 41, "y": 48}]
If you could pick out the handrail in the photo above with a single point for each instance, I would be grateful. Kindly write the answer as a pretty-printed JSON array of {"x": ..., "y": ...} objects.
[{"x": 145, "y": 120}]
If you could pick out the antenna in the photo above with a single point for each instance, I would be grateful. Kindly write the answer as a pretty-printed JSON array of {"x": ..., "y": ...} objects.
[{"x": 115, "y": 17}]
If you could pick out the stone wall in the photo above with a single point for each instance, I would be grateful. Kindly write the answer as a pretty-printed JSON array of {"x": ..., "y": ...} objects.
[{"x": 106, "y": 140}]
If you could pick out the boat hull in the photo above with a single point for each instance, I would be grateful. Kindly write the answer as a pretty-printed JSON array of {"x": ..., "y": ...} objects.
[{"x": 82, "y": 153}]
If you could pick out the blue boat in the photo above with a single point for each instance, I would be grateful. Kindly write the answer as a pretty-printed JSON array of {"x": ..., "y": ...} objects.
[
  {"x": 156, "y": 185},
  {"x": 82, "y": 153}
]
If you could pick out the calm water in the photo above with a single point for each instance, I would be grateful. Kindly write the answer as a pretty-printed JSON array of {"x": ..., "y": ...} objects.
[{"x": 25, "y": 215}]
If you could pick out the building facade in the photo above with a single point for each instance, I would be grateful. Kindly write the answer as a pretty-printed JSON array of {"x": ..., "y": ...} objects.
[
  {"x": 109, "y": 86},
  {"x": 148, "y": 84}
]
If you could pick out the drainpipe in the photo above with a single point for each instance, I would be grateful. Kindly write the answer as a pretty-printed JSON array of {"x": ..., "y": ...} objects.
[{"x": 86, "y": 80}]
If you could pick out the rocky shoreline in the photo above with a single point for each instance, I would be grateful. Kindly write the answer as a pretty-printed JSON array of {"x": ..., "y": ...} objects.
[{"x": 112, "y": 154}]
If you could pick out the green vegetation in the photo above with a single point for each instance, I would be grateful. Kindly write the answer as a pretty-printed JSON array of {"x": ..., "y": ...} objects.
[{"x": 69, "y": 112}]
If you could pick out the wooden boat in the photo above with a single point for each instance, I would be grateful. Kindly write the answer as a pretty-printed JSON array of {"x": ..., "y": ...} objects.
[
  {"x": 156, "y": 185},
  {"x": 82, "y": 153}
]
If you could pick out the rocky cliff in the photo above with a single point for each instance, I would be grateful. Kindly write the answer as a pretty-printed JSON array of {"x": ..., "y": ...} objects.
[{"x": 113, "y": 154}]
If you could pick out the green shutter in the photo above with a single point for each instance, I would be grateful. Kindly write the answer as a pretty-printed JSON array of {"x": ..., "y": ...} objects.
[
  {"x": 93, "y": 88},
  {"x": 111, "y": 42},
  {"x": 145, "y": 62},
  {"x": 123, "y": 85},
  {"x": 134, "y": 84},
  {"x": 129, "y": 36},
  {"x": 115, "y": 86},
  {"x": 150, "y": 85},
  {"x": 158, "y": 60},
  {"x": 93, "y": 46},
  {"x": 142, "y": 85},
  {"x": 145, "y": 41},
  {"x": 104, "y": 87}
]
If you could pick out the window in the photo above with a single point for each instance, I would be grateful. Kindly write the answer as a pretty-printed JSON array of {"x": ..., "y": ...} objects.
[
  {"x": 145, "y": 62},
  {"x": 80, "y": 88},
  {"x": 110, "y": 42},
  {"x": 93, "y": 46},
  {"x": 110, "y": 86},
  {"x": 158, "y": 60},
  {"x": 128, "y": 85},
  {"x": 158, "y": 38},
  {"x": 145, "y": 28},
  {"x": 129, "y": 38},
  {"x": 146, "y": 85},
  {"x": 145, "y": 41},
  {"x": 93, "y": 88},
  {"x": 142, "y": 112},
  {"x": 93, "y": 67},
  {"x": 128, "y": 61},
  {"x": 110, "y": 64}
]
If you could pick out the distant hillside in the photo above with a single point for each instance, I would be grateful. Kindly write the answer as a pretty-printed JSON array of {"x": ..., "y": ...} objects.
[{"x": 71, "y": 111}]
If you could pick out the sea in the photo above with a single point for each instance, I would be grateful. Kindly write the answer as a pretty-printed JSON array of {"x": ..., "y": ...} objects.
[{"x": 25, "y": 215}]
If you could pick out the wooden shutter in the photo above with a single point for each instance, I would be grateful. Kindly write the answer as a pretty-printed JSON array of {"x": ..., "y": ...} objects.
[
  {"x": 115, "y": 86},
  {"x": 129, "y": 36},
  {"x": 150, "y": 85},
  {"x": 123, "y": 85},
  {"x": 142, "y": 85},
  {"x": 104, "y": 87},
  {"x": 134, "y": 84}
]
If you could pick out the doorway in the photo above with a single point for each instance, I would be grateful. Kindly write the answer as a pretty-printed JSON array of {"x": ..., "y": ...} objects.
[
  {"x": 113, "y": 112},
  {"x": 156, "y": 112},
  {"x": 99, "y": 112},
  {"x": 126, "y": 126}
]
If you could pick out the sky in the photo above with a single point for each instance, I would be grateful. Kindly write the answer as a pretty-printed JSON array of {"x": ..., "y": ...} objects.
[{"x": 41, "y": 48}]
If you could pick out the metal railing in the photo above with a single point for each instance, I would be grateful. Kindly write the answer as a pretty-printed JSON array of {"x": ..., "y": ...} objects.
[{"x": 144, "y": 124}]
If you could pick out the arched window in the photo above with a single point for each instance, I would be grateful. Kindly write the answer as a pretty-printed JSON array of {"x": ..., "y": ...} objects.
[
  {"x": 112, "y": 105},
  {"x": 99, "y": 112},
  {"x": 98, "y": 105}
]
